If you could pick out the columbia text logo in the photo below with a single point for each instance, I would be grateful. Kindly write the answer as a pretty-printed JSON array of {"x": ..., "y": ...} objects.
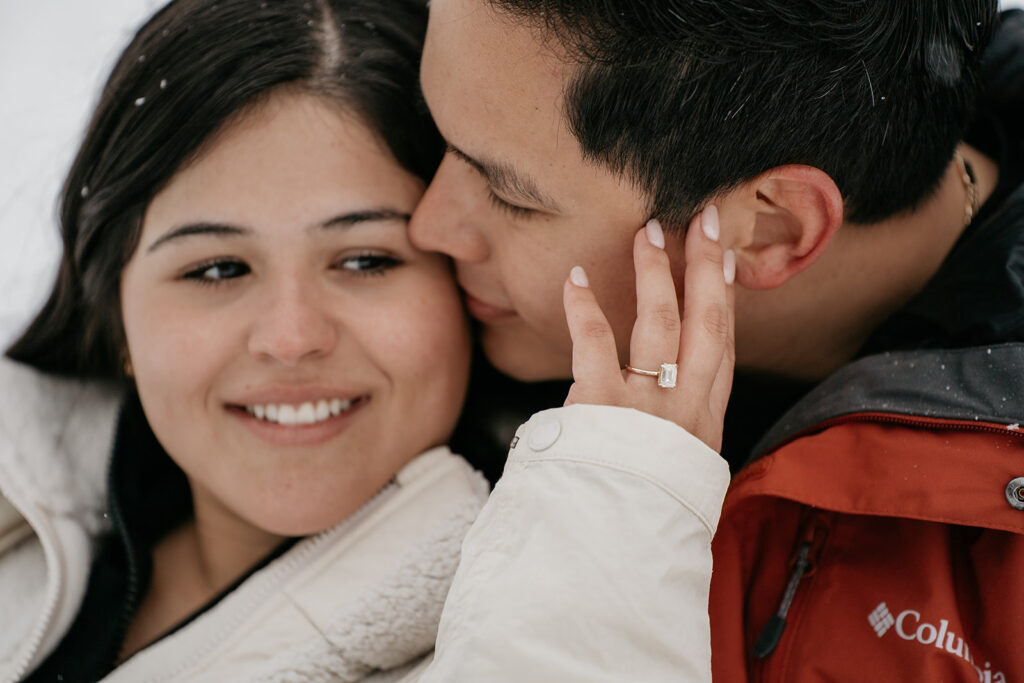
[
  {"x": 910, "y": 625},
  {"x": 881, "y": 619}
]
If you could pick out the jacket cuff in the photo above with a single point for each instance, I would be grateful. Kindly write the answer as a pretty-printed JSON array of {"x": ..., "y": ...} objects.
[{"x": 631, "y": 441}]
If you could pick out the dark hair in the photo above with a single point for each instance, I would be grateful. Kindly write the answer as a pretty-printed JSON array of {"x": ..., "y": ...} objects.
[
  {"x": 690, "y": 98},
  {"x": 189, "y": 71}
]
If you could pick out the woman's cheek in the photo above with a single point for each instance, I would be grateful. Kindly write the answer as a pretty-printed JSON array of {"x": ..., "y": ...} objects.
[
  {"x": 432, "y": 354},
  {"x": 176, "y": 355}
]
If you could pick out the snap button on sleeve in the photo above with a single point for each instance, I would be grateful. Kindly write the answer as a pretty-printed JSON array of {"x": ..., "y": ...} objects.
[
  {"x": 545, "y": 434},
  {"x": 1015, "y": 493}
]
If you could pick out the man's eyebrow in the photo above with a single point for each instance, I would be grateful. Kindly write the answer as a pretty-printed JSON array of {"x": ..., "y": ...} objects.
[
  {"x": 507, "y": 180},
  {"x": 345, "y": 220}
]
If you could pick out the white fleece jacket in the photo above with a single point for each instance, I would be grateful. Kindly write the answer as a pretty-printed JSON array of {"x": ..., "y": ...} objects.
[{"x": 589, "y": 562}]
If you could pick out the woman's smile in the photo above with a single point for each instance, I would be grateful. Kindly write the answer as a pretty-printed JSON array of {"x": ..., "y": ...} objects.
[
  {"x": 286, "y": 418},
  {"x": 307, "y": 413},
  {"x": 289, "y": 425}
]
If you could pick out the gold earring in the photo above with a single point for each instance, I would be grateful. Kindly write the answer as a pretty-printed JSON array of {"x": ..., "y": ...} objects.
[{"x": 126, "y": 364}]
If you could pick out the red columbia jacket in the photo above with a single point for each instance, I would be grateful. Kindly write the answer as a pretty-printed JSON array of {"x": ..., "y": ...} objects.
[
  {"x": 886, "y": 542},
  {"x": 878, "y": 535}
]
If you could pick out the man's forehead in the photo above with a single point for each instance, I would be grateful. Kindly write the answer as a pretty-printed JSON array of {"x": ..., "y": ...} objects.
[
  {"x": 493, "y": 87},
  {"x": 479, "y": 23},
  {"x": 483, "y": 62}
]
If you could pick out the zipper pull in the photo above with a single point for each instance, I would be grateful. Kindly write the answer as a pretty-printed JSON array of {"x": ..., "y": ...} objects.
[{"x": 772, "y": 632}]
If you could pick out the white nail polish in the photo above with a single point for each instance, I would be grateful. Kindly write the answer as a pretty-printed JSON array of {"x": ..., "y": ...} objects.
[
  {"x": 655, "y": 235},
  {"x": 709, "y": 222},
  {"x": 729, "y": 266},
  {"x": 578, "y": 277}
]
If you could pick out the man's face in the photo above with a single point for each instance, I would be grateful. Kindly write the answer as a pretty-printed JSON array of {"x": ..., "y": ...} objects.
[{"x": 514, "y": 202}]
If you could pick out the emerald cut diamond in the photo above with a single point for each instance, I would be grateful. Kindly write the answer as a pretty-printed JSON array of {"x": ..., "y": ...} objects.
[{"x": 667, "y": 375}]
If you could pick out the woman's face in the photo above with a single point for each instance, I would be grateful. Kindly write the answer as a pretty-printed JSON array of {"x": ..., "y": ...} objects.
[{"x": 291, "y": 349}]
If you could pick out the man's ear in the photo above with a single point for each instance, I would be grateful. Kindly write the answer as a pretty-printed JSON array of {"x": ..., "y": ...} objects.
[{"x": 780, "y": 222}]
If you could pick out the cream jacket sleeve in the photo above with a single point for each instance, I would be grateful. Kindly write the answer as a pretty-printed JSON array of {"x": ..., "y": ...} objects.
[{"x": 591, "y": 561}]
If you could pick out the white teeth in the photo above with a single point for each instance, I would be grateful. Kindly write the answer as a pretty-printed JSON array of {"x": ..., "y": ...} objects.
[
  {"x": 304, "y": 414},
  {"x": 286, "y": 414}
]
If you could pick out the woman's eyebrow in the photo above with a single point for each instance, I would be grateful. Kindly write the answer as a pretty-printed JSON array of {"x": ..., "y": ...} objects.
[
  {"x": 345, "y": 220},
  {"x": 197, "y": 229}
]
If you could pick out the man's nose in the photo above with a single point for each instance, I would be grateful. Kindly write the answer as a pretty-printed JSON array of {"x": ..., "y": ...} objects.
[
  {"x": 449, "y": 217},
  {"x": 291, "y": 325}
]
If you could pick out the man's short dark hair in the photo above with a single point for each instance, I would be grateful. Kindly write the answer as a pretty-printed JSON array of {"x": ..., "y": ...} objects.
[{"x": 690, "y": 98}]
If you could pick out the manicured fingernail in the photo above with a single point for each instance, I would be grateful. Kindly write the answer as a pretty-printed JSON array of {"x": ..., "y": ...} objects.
[
  {"x": 578, "y": 277},
  {"x": 709, "y": 222},
  {"x": 655, "y": 235},
  {"x": 729, "y": 266}
]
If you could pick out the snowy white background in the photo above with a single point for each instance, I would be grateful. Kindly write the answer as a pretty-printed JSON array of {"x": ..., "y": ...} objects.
[{"x": 54, "y": 55}]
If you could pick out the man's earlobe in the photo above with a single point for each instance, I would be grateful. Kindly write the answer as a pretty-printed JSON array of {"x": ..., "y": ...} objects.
[{"x": 790, "y": 215}]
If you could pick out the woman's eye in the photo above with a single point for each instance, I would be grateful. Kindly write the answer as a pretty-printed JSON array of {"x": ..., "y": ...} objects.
[
  {"x": 217, "y": 271},
  {"x": 368, "y": 264},
  {"x": 511, "y": 209}
]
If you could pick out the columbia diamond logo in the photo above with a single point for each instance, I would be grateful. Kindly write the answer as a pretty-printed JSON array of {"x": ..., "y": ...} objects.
[{"x": 881, "y": 619}]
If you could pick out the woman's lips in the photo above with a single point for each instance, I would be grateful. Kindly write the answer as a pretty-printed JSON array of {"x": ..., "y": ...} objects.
[
  {"x": 298, "y": 434},
  {"x": 485, "y": 312}
]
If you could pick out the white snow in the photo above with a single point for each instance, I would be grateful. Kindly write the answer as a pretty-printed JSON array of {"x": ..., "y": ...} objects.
[{"x": 54, "y": 55}]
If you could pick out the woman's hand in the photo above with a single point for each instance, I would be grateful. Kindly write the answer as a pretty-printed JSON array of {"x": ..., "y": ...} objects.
[{"x": 702, "y": 343}]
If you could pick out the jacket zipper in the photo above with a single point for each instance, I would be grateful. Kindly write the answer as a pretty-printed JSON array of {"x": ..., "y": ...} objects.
[
  {"x": 804, "y": 560},
  {"x": 54, "y": 580},
  {"x": 130, "y": 605},
  {"x": 957, "y": 425},
  {"x": 772, "y": 631}
]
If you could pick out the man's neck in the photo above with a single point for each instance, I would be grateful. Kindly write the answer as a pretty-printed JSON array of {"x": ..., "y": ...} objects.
[{"x": 818, "y": 321}]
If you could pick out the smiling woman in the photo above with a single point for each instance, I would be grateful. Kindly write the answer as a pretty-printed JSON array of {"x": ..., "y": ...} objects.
[{"x": 237, "y": 263}]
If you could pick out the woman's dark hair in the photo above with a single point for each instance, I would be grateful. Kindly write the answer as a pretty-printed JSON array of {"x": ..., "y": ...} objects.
[
  {"x": 690, "y": 98},
  {"x": 190, "y": 70}
]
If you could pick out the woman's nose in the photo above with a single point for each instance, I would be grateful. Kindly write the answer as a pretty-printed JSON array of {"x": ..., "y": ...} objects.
[{"x": 291, "y": 325}]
